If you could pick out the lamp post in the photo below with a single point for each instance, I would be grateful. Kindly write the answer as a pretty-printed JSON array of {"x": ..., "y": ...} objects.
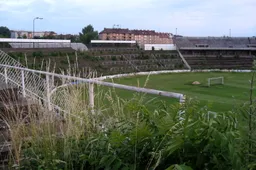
[{"x": 33, "y": 35}]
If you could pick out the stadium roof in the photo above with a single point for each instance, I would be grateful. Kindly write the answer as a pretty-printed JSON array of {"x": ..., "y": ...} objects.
[
  {"x": 216, "y": 48},
  {"x": 14, "y": 40},
  {"x": 112, "y": 42}
]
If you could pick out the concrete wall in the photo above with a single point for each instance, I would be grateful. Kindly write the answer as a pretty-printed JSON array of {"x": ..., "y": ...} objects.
[{"x": 159, "y": 47}]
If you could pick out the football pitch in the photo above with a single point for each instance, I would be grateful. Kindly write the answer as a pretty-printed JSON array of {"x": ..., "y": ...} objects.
[{"x": 234, "y": 93}]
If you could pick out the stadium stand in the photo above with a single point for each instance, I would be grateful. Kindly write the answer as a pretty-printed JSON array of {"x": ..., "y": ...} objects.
[
  {"x": 214, "y": 42},
  {"x": 113, "y": 62},
  {"x": 217, "y": 52}
]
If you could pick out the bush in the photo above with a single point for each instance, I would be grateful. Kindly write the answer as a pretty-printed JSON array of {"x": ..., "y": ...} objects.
[
  {"x": 54, "y": 54},
  {"x": 113, "y": 58},
  {"x": 164, "y": 56},
  {"x": 61, "y": 54},
  {"x": 86, "y": 56},
  {"x": 37, "y": 54},
  {"x": 13, "y": 56},
  {"x": 95, "y": 58}
]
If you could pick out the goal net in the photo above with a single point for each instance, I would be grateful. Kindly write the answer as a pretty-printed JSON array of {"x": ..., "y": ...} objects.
[{"x": 215, "y": 81}]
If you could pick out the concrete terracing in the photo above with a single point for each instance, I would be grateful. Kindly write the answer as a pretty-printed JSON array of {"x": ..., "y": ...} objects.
[
  {"x": 214, "y": 42},
  {"x": 217, "y": 52}
]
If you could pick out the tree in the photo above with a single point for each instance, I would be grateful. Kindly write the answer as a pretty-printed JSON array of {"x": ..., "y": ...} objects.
[
  {"x": 24, "y": 36},
  {"x": 5, "y": 32},
  {"x": 88, "y": 34}
]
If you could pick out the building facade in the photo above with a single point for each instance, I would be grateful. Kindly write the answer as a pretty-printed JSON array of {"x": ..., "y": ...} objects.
[
  {"x": 140, "y": 36},
  {"x": 29, "y": 34}
]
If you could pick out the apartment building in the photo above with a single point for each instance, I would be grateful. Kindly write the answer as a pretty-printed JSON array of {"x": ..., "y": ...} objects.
[
  {"x": 29, "y": 34},
  {"x": 140, "y": 36}
]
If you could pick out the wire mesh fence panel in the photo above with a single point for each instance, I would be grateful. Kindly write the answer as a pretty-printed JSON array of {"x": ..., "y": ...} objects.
[{"x": 33, "y": 82}]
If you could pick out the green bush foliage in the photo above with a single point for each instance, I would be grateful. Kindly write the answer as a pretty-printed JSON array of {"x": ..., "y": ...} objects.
[
  {"x": 37, "y": 54},
  {"x": 167, "y": 138},
  {"x": 113, "y": 58}
]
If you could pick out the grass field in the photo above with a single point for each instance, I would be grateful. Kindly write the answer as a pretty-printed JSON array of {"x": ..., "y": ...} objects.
[{"x": 225, "y": 97}]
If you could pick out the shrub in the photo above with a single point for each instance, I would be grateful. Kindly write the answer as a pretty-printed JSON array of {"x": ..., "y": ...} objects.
[
  {"x": 37, "y": 54},
  {"x": 60, "y": 53},
  {"x": 20, "y": 55},
  {"x": 13, "y": 56},
  {"x": 173, "y": 56},
  {"x": 86, "y": 56},
  {"x": 54, "y": 54},
  {"x": 164, "y": 56},
  {"x": 94, "y": 58},
  {"x": 113, "y": 58}
]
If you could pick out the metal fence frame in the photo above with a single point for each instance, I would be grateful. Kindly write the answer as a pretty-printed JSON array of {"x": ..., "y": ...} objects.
[{"x": 49, "y": 90}]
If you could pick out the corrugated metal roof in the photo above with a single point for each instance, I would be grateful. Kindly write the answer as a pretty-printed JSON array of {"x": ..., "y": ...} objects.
[{"x": 14, "y": 40}]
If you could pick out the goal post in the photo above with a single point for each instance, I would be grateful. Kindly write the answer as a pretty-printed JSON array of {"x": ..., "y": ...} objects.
[{"x": 215, "y": 81}]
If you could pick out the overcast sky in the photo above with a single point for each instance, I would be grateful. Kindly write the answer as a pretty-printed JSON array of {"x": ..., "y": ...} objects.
[{"x": 190, "y": 17}]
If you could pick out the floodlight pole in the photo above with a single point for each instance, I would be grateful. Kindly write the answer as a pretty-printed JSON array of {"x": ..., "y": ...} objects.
[{"x": 34, "y": 27}]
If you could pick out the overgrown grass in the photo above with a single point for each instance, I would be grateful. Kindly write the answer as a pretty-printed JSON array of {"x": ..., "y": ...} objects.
[
  {"x": 132, "y": 133},
  {"x": 128, "y": 135}
]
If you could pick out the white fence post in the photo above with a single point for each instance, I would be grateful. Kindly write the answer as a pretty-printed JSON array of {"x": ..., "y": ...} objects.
[
  {"x": 182, "y": 99},
  {"x": 48, "y": 92},
  {"x": 91, "y": 97},
  {"x": 23, "y": 83},
  {"x": 5, "y": 75}
]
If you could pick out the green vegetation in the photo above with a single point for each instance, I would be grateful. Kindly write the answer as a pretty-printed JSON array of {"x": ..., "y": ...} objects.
[
  {"x": 125, "y": 134},
  {"x": 88, "y": 34},
  {"x": 5, "y": 32},
  {"x": 218, "y": 97},
  {"x": 134, "y": 131}
]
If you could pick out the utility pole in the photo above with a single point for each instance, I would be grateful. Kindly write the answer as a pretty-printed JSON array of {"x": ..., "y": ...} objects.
[{"x": 33, "y": 35}]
